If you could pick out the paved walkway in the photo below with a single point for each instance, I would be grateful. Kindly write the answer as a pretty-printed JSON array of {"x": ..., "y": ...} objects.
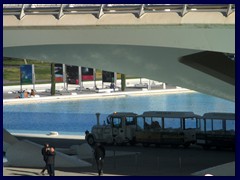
[
  {"x": 10, "y": 93},
  {"x": 13, "y": 171},
  {"x": 142, "y": 161},
  {"x": 43, "y": 90}
]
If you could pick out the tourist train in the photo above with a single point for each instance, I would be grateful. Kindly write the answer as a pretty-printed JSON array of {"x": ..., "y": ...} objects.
[{"x": 173, "y": 128}]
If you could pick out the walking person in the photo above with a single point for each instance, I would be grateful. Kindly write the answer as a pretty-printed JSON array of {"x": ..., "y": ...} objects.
[
  {"x": 44, "y": 154},
  {"x": 51, "y": 161},
  {"x": 99, "y": 154}
]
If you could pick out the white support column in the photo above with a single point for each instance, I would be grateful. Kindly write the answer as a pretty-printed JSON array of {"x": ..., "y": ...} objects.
[
  {"x": 115, "y": 79},
  {"x": 64, "y": 76},
  {"x": 33, "y": 77},
  {"x": 164, "y": 85},
  {"x": 80, "y": 77},
  {"x": 94, "y": 79},
  {"x": 149, "y": 85}
]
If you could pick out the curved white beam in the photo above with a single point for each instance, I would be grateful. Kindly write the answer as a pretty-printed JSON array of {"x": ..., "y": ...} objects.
[{"x": 200, "y": 31}]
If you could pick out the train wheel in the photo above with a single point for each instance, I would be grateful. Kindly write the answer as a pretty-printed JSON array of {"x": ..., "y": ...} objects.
[
  {"x": 109, "y": 140},
  {"x": 157, "y": 145},
  {"x": 123, "y": 144},
  {"x": 186, "y": 145},
  {"x": 145, "y": 144},
  {"x": 119, "y": 141},
  {"x": 206, "y": 147},
  {"x": 132, "y": 142},
  {"x": 174, "y": 145}
]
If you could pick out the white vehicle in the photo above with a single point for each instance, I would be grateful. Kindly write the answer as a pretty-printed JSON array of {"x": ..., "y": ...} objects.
[
  {"x": 167, "y": 128},
  {"x": 120, "y": 129}
]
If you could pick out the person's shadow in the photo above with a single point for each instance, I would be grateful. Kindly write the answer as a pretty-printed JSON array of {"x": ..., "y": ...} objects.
[{"x": 22, "y": 172}]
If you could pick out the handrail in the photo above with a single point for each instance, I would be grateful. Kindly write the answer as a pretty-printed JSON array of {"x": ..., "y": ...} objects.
[{"x": 21, "y": 10}]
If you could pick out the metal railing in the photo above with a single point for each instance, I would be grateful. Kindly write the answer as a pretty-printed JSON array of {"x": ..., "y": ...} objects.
[{"x": 58, "y": 10}]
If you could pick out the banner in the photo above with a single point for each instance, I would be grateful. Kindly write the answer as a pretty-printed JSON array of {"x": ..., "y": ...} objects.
[
  {"x": 58, "y": 70},
  {"x": 107, "y": 76},
  {"x": 72, "y": 74},
  {"x": 87, "y": 74},
  {"x": 26, "y": 74}
]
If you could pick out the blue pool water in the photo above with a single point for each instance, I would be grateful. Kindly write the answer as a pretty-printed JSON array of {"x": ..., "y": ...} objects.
[{"x": 74, "y": 117}]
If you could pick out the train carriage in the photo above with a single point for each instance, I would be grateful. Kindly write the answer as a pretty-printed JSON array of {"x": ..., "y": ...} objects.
[
  {"x": 217, "y": 130},
  {"x": 167, "y": 128}
]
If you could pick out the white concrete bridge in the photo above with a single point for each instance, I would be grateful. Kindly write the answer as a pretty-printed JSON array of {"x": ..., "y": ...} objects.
[{"x": 184, "y": 45}]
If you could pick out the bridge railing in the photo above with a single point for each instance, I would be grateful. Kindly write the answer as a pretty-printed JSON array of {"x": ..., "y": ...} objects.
[{"x": 20, "y": 10}]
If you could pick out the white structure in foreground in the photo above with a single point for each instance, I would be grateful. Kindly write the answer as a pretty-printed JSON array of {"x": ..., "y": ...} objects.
[
  {"x": 227, "y": 169},
  {"x": 24, "y": 153}
]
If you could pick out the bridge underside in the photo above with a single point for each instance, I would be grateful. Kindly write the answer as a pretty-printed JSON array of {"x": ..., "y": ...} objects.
[
  {"x": 183, "y": 51},
  {"x": 186, "y": 68}
]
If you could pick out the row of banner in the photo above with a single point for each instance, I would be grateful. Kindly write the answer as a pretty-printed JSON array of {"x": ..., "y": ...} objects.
[
  {"x": 65, "y": 73},
  {"x": 74, "y": 73}
]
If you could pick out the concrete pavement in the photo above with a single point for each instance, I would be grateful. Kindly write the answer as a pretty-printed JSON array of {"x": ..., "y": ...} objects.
[{"x": 150, "y": 161}]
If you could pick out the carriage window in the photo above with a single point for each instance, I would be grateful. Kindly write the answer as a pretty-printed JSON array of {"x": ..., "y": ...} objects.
[
  {"x": 230, "y": 125},
  {"x": 147, "y": 122},
  {"x": 130, "y": 121},
  {"x": 117, "y": 123},
  {"x": 156, "y": 122},
  {"x": 202, "y": 124},
  {"x": 190, "y": 123},
  {"x": 109, "y": 120},
  {"x": 174, "y": 123},
  {"x": 208, "y": 125},
  {"x": 217, "y": 124},
  {"x": 140, "y": 123}
]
